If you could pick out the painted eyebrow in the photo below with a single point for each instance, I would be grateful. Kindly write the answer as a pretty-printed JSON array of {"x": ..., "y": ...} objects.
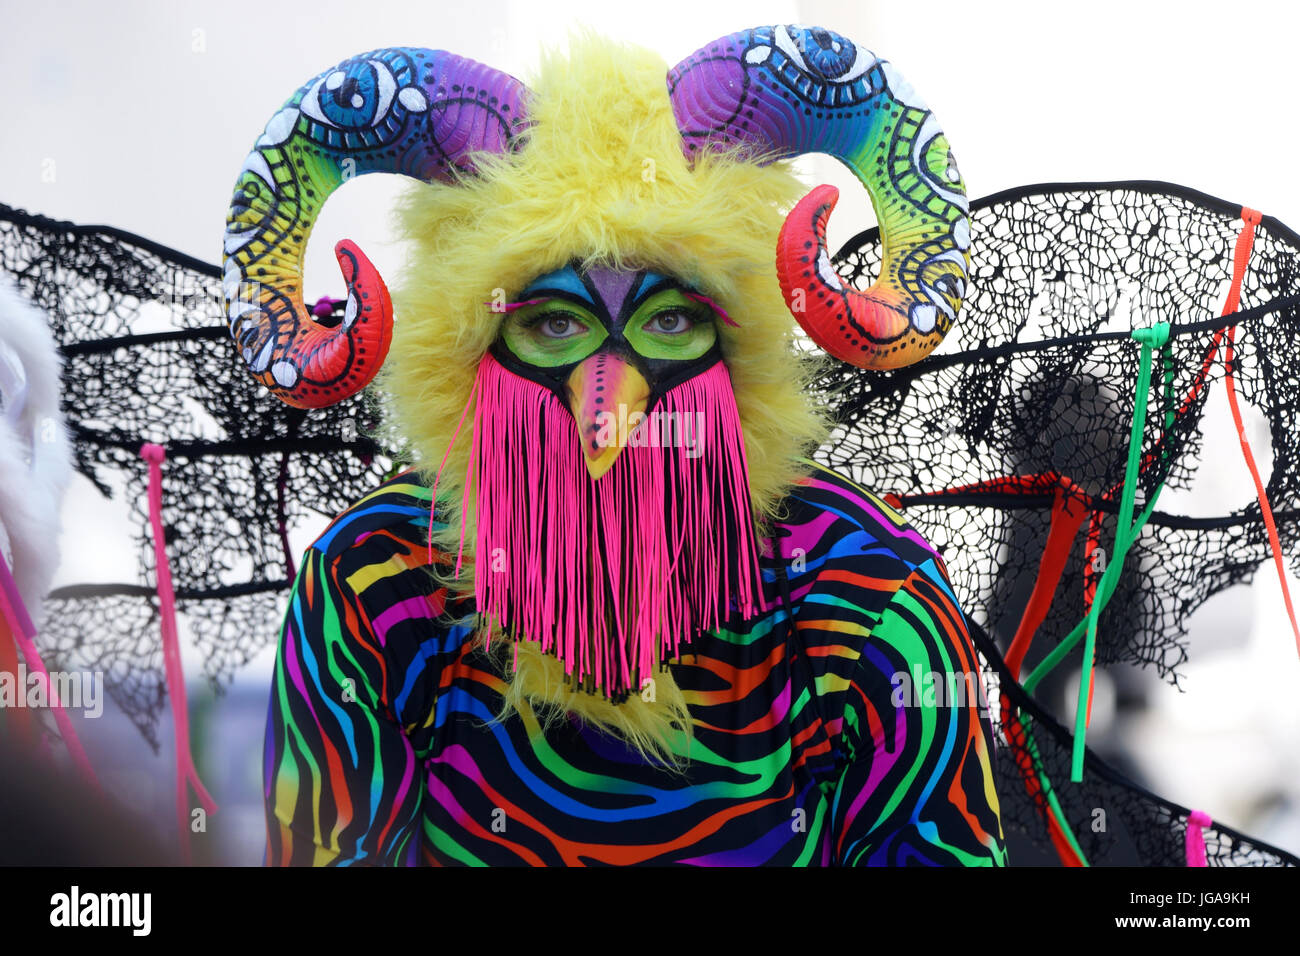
[
  {"x": 659, "y": 286},
  {"x": 651, "y": 284},
  {"x": 666, "y": 286},
  {"x": 522, "y": 303},
  {"x": 565, "y": 282}
]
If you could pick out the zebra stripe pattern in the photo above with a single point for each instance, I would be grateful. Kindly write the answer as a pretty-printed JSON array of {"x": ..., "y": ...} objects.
[{"x": 839, "y": 728}]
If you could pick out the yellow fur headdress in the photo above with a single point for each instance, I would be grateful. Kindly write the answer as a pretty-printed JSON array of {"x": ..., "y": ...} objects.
[{"x": 602, "y": 178}]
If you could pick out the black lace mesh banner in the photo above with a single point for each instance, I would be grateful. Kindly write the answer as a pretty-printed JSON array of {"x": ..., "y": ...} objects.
[
  {"x": 1115, "y": 821},
  {"x": 1036, "y": 377},
  {"x": 147, "y": 358}
]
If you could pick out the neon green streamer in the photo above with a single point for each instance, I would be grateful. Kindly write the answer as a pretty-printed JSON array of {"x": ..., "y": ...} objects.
[
  {"x": 1126, "y": 533},
  {"x": 1026, "y": 725},
  {"x": 1155, "y": 337},
  {"x": 1106, "y": 587}
]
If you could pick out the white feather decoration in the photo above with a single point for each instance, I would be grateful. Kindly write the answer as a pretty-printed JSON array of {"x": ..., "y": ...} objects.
[{"x": 35, "y": 451}]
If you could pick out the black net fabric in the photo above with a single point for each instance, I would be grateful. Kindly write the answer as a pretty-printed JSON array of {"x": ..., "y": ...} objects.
[
  {"x": 1037, "y": 378},
  {"x": 1036, "y": 385},
  {"x": 1115, "y": 821},
  {"x": 147, "y": 358}
]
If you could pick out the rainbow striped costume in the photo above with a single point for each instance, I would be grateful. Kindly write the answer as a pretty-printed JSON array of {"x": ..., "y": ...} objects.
[{"x": 826, "y": 730}]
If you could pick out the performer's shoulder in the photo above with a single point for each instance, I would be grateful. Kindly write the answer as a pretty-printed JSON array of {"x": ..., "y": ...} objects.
[
  {"x": 823, "y": 492},
  {"x": 399, "y": 506}
]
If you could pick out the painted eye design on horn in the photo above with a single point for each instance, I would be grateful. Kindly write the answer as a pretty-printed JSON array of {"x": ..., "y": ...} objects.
[
  {"x": 824, "y": 53},
  {"x": 358, "y": 97}
]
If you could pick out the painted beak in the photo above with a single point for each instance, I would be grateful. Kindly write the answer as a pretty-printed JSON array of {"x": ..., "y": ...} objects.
[{"x": 605, "y": 391}]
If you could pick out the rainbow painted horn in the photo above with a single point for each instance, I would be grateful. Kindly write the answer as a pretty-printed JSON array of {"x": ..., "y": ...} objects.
[
  {"x": 401, "y": 110},
  {"x": 789, "y": 90}
]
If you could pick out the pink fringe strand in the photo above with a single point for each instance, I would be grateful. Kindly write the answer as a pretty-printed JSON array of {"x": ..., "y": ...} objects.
[{"x": 612, "y": 576}]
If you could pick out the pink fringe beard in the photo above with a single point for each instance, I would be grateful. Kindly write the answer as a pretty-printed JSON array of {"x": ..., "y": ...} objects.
[{"x": 618, "y": 575}]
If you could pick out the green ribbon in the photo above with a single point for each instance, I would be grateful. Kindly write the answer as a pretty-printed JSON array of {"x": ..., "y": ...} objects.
[
  {"x": 1026, "y": 724},
  {"x": 1149, "y": 338}
]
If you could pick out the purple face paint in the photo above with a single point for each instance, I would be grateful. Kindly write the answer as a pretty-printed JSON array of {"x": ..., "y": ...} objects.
[{"x": 613, "y": 288}]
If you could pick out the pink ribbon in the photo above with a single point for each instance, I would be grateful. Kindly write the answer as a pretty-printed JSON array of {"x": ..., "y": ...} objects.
[
  {"x": 1196, "y": 823},
  {"x": 185, "y": 769},
  {"x": 20, "y": 623}
]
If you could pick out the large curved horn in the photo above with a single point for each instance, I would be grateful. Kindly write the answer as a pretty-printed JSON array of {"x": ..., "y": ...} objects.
[
  {"x": 788, "y": 90},
  {"x": 400, "y": 110}
]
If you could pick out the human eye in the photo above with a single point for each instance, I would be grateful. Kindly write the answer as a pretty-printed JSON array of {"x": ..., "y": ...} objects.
[
  {"x": 561, "y": 326},
  {"x": 550, "y": 333},
  {"x": 671, "y": 322},
  {"x": 676, "y": 320},
  {"x": 671, "y": 326},
  {"x": 555, "y": 324}
]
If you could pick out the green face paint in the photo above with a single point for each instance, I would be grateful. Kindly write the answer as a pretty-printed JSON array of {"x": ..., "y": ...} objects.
[
  {"x": 553, "y": 333},
  {"x": 671, "y": 326},
  {"x": 668, "y": 326}
]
